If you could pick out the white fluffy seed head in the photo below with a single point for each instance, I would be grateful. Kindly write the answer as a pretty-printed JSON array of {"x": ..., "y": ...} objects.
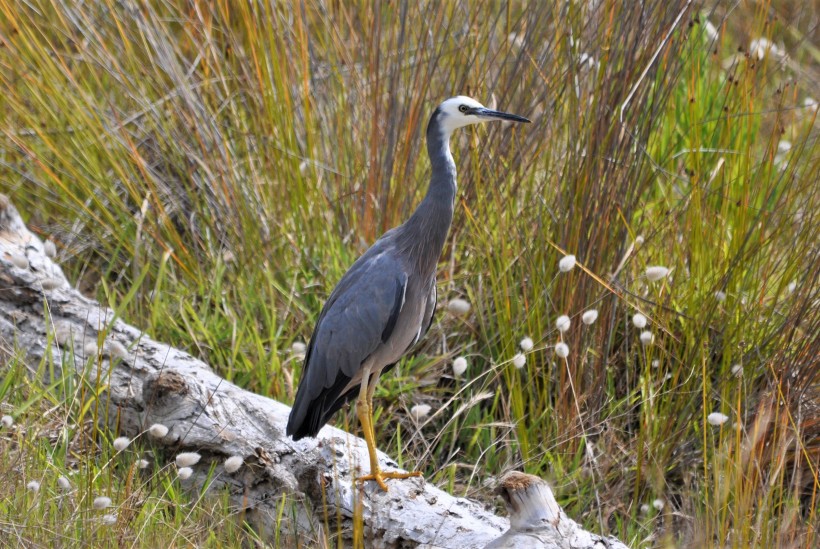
[
  {"x": 49, "y": 249},
  {"x": 646, "y": 337},
  {"x": 639, "y": 320},
  {"x": 121, "y": 443},
  {"x": 656, "y": 272},
  {"x": 737, "y": 370},
  {"x": 298, "y": 348},
  {"x": 185, "y": 473},
  {"x": 116, "y": 349},
  {"x": 458, "y": 307},
  {"x": 566, "y": 264},
  {"x": 33, "y": 486},
  {"x": 7, "y": 422},
  {"x": 109, "y": 520},
  {"x": 716, "y": 418},
  {"x": 233, "y": 463},
  {"x": 64, "y": 484},
  {"x": 158, "y": 430},
  {"x": 90, "y": 348},
  {"x": 101, "y": 502},
  {"x": 143, "y": 464},
  {"x": 720, "y": 296},
  {"x": 562, "y": 350},
  {"x": 519, "y": 360},
  {"x": 589, "y": 317},
  {"x": 51, "y": 283},
  {"x": 19, "y": 261},
  {"x": 792, "y": 286},
  {"x": 658, "y": 504},
  {"x": 562, "y": 323},
  {"x": 459, "y": 365},
  {"x": 420, "y": 411},
  {"x": 186, "y": 459},
  {"x": 644, "y": 508},
  {"x": 526, "y": 344}
]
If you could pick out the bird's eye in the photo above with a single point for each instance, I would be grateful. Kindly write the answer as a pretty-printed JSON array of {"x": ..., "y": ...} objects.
[{"x": 463, "y": 108}]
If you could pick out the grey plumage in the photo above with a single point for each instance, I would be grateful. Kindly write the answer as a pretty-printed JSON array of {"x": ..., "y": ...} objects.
[{"x": 384, "y": 303}]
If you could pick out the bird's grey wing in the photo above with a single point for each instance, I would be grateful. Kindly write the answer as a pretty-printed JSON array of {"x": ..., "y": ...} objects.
[{"x": 358, "y": 317}]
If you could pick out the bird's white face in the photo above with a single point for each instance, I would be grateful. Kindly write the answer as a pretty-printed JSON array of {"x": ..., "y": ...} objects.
[{"x": 458, "y": 113}]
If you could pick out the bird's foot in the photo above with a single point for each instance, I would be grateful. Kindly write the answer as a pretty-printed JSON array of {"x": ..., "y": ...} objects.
[{"x": 380, "y": 476}]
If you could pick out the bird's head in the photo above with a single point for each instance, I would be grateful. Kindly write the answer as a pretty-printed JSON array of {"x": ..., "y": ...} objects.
[{"x": 461, "y": 111}]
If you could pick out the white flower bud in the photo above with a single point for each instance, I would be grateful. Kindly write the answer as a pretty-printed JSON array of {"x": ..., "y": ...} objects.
[
  {"x": 589, "y": 317},
  {"x": 458, "y": 307},
  {"x": 233, "y": 463},
  {"x": 656, "y": 273},
  {"x": 566, "y": 264},
  {"x": 158, "y": 430},
  {"x": 562, "y": 323},
  {"x": 186, "y": 459},
  {"x": 716, "y": 418},
  {"x": 459, "y": 365}
]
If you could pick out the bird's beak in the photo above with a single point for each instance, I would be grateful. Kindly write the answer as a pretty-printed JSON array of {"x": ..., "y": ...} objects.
[{"x": 481, "y": 112}]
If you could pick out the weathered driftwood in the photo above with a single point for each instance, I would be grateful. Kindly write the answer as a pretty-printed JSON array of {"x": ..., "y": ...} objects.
[{"x": 150, "y": 382}]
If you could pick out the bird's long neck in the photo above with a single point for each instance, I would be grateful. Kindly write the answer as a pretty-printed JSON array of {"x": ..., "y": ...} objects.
[{"x": 426, "y": 230}]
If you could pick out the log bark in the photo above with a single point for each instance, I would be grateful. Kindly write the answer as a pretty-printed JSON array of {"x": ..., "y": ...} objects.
[{"x": 151, "y": 382}]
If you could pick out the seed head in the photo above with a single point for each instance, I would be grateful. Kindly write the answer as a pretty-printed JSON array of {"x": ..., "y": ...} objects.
[
  {"x": 519, "y": 360},
  {"x": 143, "y": 464},
  {"x": 186, "y": 459},
  {"x": 562, "y": 350},
  {"x": 233, "y": 463},
  {"x": 90, "y": 348},
  {"x": 716, "y": 418},
  {"x": 737, "y": 370},
  {"x": 121, "y": 443},
  {"x": 49, "y": 249},
  {"x": 116, "y": 349},
  {"x": 109, "y": 520},
  {"x": 298, "y": 348},
  {"x": 589, "y": 317},
  {"x": 639, "y": 320},
  {"x": 7, "y": 422},
  {"x": 720, "y": 296},
  {"x": 420, "y": 411},
  {"x": 566, "y": 264},
  {"x": 185, "y": 473},
  {"x": 656, "y": 363},
  {"x": 101, "y": 502},
  {"x": 562, "y": 323},
  {"x": 526, "y": 344},
  {"x": 656, "y": 273},
  {"x": 64, "y": 484},
  {"x": 458, "y": 307},
  {"x": 19, "y": 261},
  {"x": 639, "y": 239},
  {"x": 33, "y": 486},
  {"x": 658, "y": 504},
  {"x": 459, "y": 365},
  {"x": 646, "y": 337},
  {"x": 158, "y": 430},
  {"x": 51, "y": 283},
  {"x": 644, "y": 508}
]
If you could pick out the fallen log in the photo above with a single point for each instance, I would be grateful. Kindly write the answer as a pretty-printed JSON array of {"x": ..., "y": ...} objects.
[{"x": 150, "y": 382}]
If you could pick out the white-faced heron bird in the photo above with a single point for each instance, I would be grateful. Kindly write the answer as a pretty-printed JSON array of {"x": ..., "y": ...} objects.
[{"x": 384, "y": 303}]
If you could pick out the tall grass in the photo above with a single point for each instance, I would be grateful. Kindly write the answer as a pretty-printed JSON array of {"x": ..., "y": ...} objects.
[{"x": 226, "y": 161}]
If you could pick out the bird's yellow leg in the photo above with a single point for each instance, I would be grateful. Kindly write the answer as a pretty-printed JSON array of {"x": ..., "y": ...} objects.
[{"x": 364, "y": 409}]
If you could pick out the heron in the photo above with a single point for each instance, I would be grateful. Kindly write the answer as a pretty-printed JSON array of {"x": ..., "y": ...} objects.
[{"x": 384, "y": 304}]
